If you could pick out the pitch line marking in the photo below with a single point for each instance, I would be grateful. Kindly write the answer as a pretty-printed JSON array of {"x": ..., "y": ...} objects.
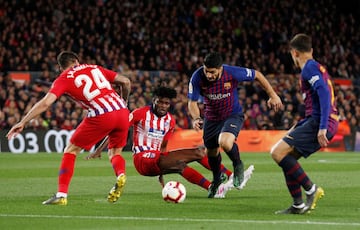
[{"x": 184, "y": 219}]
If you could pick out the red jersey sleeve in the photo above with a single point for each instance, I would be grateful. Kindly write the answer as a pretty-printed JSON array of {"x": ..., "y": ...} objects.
[
  {"x": 58, "y": 87},
  {"x": 135, "y": 116}
]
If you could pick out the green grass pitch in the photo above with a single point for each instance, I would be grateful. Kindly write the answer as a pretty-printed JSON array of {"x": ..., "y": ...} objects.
[{"x": 28, "y": 179}]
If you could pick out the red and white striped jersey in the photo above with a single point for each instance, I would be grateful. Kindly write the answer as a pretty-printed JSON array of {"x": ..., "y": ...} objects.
[
  {"x": 90, "y": 86},
  {"x": 150, "y": 130}
]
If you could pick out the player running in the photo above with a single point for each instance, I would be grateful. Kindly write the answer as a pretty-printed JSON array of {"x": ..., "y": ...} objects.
[
  {"x": 310, "y": 134},
  {"x": 223, "y": 115},
  {"x": 90, "y": 86}
]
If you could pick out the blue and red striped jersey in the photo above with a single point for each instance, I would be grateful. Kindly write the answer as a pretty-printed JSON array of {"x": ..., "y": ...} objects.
[
  {"x": 221, "y": 96},
  {"x": 318, "y": 94}
]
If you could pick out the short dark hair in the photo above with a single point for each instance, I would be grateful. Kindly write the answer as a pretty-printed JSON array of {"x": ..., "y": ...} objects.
[
  {"x": 165, "y": 92},
  {"x": 66, "y": 58},
  {"x": 301, "y": 42},
  {"x": 213, "y": 60}
]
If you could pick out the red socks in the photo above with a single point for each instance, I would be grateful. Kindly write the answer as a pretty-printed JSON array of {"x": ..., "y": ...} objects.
[
  {"x": 118, "y": 163},
  {"x": 66, "y": 172},
  {"x": 67, "y": 166},
  {"x": 195, "y": 177}
]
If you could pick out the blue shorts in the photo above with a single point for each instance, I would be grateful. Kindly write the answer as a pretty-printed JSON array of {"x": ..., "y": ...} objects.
[
  {"x": 304, "y": 137},
  {"x": 212, "y": 129}
]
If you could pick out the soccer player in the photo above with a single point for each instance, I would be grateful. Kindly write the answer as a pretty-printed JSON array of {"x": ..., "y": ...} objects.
[
  {"x": 153, "y": 126},
  {"x": 90, "y": 85},
  {"x": 310, "y": 134},
  {"x": 223, "y": 115}
]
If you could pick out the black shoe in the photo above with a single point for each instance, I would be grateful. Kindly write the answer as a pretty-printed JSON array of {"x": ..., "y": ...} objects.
[
  {"x": 238, "y": 175},
  {"x": 223, "y": 178},
  {"x": 213, "y": 189},
  {"x": 293, "y": 210}
]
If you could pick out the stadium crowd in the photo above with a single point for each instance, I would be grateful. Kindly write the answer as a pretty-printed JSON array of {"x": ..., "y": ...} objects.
[{"x": 163, "y": 42}]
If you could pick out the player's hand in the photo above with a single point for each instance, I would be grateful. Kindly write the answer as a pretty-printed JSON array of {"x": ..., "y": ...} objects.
[
  {"x": 322, "y": 139},
  {"x": 94, "y": 155},
  {"x": 161, "y": 181},
  {"x": 98, "y": 150},
  {"x": 275, "y": 103},
  {"x": 198, "y": 123},
  {"x": 15, "y": 130}
]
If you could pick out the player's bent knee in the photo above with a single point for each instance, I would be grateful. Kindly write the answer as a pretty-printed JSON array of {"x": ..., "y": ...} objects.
[
  {"x": 226, "y": 145},
  {"x": 200, "y": 153},
  {"x": 275, "y": 153}
]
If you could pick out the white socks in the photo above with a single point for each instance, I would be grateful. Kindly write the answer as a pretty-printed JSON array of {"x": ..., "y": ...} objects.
[
  {"x": 61, "y": 194},
  {"x": 311, "y": 191}
]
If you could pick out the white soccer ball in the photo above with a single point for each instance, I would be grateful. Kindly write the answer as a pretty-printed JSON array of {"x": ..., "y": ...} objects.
[{"x": 174, "y": 192}]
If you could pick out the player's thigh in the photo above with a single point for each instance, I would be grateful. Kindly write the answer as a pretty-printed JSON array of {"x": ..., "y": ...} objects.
[
  {"x": 186, "y": 155},
  {"x": 147, "y": 163},
  {"x": 89, "y": 132},
  {"x": 170, "y": 163},
  {"x": 233, "y": 124},
  {"x": 304, "y": 137},
  {"x": 119, "y": 133},
  {"x": 211, "y": 133}
]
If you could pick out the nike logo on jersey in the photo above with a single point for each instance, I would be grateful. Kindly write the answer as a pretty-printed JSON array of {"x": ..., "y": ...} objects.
[{"x": 233, "y": 126}]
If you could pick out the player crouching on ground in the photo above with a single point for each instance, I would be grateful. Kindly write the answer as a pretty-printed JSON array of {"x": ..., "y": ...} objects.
[{"x": 153, "y": 126}]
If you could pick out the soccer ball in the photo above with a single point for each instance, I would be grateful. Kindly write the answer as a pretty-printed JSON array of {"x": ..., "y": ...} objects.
[{"x": 174, "y": 192}]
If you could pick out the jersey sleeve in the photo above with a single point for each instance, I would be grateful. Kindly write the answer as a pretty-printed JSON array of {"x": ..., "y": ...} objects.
[
  {"x": 58, "y": 87},
  {"x": 315, "y": 79},
  {"x": 241, "y": 73},
  {"x": 194, "y": 86},
  {"x": 135, "y": 116}
]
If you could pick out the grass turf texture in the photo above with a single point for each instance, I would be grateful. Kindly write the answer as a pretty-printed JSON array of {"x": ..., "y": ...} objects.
[{"x": 28, "y": 179}]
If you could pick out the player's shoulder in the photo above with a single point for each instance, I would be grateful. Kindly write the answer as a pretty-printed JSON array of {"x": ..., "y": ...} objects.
[
  {"x": 61, "y": 77},
  {"x": 234, "y": 68},
  {"x": 312, "y": 63},
  {"x": 171, "y": 116},
  {"x": 143, "y": 109},
  {"x": 311, "y": 67},
  {"x": 138, "y": 113},
  {"x": 197, "y": 73},
  {"x": 172, "y": 119},
  {"x": 240, "y": 73},
  {"x": 230, "y": 69}
]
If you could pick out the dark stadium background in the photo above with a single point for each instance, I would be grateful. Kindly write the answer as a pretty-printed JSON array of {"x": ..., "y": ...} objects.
[{"x": 157, "y": 42}]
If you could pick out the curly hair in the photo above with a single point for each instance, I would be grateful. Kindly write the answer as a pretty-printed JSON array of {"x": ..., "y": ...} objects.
[{"x": 165, "y": 92}]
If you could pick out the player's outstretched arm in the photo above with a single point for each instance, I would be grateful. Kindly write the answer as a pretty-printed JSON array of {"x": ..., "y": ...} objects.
[
  {"x": 38, "y": 108},
  {"x": 274, "y": 101}
]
